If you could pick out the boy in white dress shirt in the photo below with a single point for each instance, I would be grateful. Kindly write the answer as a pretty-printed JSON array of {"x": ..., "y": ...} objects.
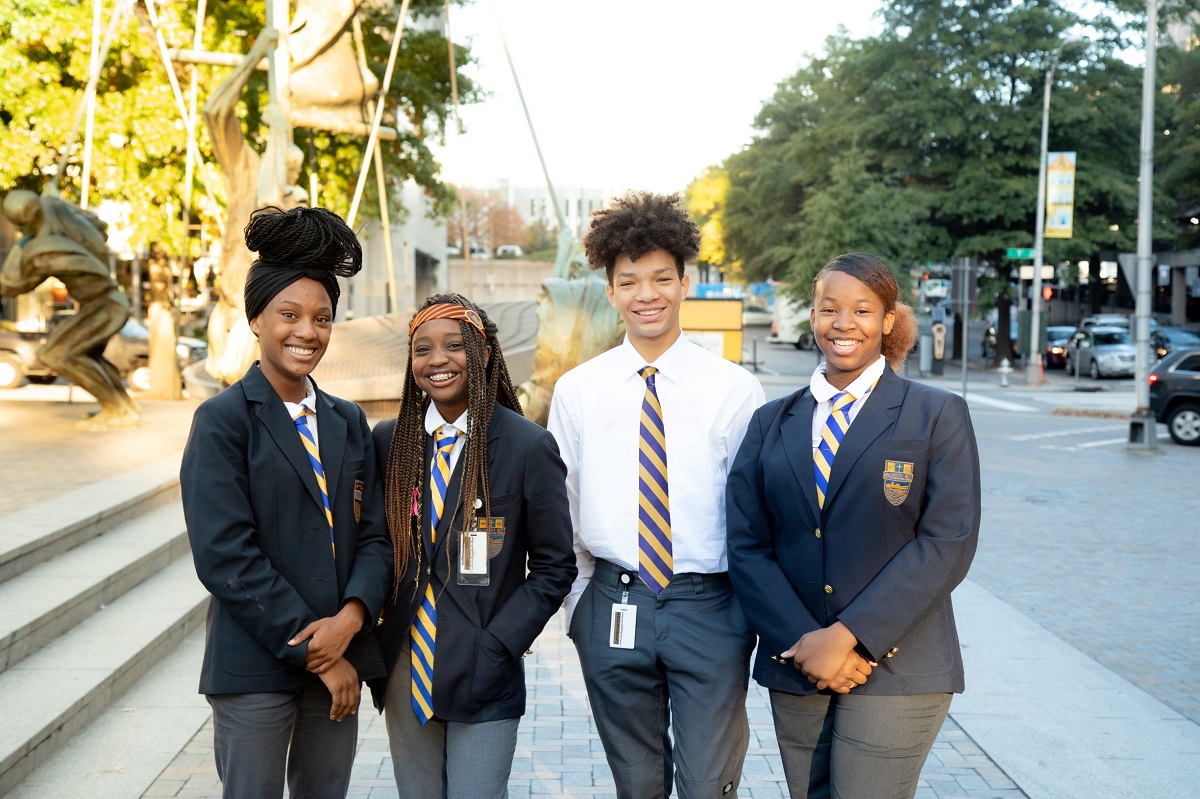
[{"x": 648, "y": 431}]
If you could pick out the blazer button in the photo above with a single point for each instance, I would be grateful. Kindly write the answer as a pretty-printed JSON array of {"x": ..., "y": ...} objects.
[
  {"x": 829, "y": 589},
  {"x": 817, "y": 532}
]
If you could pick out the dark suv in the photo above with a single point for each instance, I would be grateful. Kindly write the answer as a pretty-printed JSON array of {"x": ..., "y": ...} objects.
[{"x": 1175, "y": 394}]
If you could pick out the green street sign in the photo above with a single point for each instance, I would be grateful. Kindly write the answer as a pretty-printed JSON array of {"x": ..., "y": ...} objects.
[{"x": 1019, "y": 253}]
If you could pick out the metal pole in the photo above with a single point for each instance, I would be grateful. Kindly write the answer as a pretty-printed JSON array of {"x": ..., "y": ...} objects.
[
  {"x": 85, "y": 179},
  {"x": 966, "y": 307},
  {"x": 1143, "y": 432},
  {"x": 1033, "y": 371}
]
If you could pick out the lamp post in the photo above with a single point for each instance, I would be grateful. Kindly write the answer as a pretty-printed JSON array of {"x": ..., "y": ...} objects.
[
  {"x": 1143, "y": 432},
  {"x": 1033, "y": 359}
]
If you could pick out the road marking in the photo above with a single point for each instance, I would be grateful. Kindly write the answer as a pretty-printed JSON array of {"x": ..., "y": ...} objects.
[
  {"x": 1092, "y": 444},
  {"x": 1103, "y": 443},
  {"x": 1001, "y": 404},
  {"x": 1057, "y": 433}
]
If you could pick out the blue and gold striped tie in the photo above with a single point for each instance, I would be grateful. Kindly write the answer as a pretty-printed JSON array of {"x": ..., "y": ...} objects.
[
  {"x": 656, "y": 563},
  {"x": 831, "y": 438},
  {"x": 423, "y": 633},
  {"x": 314, "y": 459}
]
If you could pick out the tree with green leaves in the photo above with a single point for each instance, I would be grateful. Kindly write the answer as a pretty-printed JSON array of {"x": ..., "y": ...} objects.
[
  {"x": 922, "y": 143},
  {"x": 139, "y": 137}
]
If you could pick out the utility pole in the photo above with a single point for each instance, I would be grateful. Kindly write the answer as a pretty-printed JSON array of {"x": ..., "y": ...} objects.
[{"x": 1143, "y": 431}]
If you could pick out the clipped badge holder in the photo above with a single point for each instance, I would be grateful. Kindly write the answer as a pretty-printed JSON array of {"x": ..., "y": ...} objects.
[{"x": 473, "y": 560}]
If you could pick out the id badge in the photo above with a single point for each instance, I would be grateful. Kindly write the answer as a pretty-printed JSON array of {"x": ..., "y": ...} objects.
[
  {"x": 623, "y": 626},
  {"x": 473, "y": 568}
]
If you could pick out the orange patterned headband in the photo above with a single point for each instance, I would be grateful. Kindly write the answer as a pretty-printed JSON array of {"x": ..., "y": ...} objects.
[{"x": 446, "y": 310}]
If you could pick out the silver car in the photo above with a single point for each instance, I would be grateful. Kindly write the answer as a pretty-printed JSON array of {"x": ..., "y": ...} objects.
[{"x": 1102, "y": 352}]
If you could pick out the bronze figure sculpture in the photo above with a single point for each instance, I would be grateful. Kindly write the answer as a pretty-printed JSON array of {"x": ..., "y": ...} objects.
[{"x": 64, "y": 241}]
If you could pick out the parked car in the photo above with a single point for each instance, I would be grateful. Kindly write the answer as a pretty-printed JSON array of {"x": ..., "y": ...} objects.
[
  {"x": 989, "y": 342},
  {"x": 756, "y": 315},
  {"x": 1102, "y": 352},
  {"x": 1057, "y": 339},
  {"x": 1104, "y": 320},
  {"x": 128, "y": 350},
  {"x": 18, "y": 357},
  {"x": 509, "y": 251},
  {"x": 1166, "y": 339},
  {"x": 1175, "y": 394}
]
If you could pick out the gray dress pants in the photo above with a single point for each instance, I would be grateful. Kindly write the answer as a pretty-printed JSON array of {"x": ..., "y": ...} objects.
[
  {"x": 856, "y": 746},
  {"x": 260, "y": 737},
  {"x": 687, "y": 675}
]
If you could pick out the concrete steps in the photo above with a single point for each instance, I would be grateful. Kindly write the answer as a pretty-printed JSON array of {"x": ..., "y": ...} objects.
[{"x": 97, "y": 588}]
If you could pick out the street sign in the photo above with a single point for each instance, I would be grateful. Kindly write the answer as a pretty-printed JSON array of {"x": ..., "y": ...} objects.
[{"x": 1018, "y": 253}]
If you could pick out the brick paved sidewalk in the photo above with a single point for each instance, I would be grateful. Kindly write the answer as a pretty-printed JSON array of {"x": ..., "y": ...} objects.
[{"x": 559, "y": 752}]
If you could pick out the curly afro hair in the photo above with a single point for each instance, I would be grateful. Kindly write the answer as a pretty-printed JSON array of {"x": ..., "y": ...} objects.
[{"x": 638, "y": 223}]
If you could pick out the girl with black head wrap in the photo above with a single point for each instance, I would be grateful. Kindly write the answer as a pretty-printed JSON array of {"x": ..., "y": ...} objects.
[{"x": 286, "y": 522}]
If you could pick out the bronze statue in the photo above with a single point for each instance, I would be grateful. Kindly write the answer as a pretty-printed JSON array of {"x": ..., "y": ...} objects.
[
  {"x": 328, "y": 89},
  {"x": 250, "y": 180},
  {"x": 329, "y": 85},
  {"x": 66, "y": 242},
  {"x": 575, "y": 324}
]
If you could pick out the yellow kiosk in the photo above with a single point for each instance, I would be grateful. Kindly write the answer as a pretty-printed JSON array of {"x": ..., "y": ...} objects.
[{"x": 715, "y": 324}]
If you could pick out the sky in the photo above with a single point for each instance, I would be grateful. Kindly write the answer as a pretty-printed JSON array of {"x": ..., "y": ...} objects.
[{"x": 629, "y": 94}]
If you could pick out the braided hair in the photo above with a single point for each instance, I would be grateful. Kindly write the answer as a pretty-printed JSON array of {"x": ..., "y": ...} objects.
[
  {"x": 303, "y": 242},
  {"x": 406, "y": 464}
]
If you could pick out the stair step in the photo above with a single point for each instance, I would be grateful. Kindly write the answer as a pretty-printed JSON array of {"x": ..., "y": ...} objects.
[
  {"x": 38, "y": 533},
  {"x": 124, "y": 751},
  {"x": 55, "y": 596},
  {"x": 60, "y": 689}
]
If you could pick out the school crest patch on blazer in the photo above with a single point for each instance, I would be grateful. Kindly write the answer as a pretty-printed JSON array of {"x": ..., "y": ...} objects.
[{"x": 897, "y": 479}]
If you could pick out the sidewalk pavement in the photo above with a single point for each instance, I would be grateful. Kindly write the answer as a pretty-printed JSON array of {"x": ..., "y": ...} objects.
[{"x": 1040, "y": 718}]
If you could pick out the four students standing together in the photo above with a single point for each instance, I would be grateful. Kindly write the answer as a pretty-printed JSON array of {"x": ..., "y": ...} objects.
[{"x": 676, "y": 517}]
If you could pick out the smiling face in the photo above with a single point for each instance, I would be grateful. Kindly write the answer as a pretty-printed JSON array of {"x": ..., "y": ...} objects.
[
  {"x": 849, "y": 323},
  {"x": 439, "y": 365},
  {"x": 293, "y": 333},
  {"x": 648, "y": 293}
]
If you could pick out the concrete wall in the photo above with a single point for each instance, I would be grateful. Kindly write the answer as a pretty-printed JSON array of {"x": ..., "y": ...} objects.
[{"x": 498, "y": 280}]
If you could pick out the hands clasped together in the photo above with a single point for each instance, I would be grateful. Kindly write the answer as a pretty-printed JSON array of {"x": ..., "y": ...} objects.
[
  {"x": 827, "y": 658},
  {"x": 327, "y": 641}
]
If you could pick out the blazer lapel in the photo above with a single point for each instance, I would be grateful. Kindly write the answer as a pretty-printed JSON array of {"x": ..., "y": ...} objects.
[
  {"x": 877, "y": 415},
  {"x": 332, "y": 436},
  {"x": 796, "y": 437},
  {"x": 281, "y": 428}
]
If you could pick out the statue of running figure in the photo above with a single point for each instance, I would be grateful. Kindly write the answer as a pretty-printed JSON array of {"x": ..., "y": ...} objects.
[{"x": 64, "y": 241}]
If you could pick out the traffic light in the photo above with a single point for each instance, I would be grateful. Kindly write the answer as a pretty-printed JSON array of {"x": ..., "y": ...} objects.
[{"x": 1047, "y": 293}]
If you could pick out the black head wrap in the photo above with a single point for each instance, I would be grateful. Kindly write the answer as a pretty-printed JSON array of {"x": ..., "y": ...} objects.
[{"x": 303, "y": 242}]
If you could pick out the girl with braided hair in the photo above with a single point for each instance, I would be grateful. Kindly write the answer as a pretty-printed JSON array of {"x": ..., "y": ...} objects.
[
  {"x": 481, "y": 533},
  {"x": 287, "y": 527}
]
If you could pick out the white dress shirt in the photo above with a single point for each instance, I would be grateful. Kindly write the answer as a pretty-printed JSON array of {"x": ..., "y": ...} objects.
[
  {"x": 595, "y": 417},
  {"x": 434, "y": 420},
  {"x": 309, "y": 403},
  {"x": 824, "y": 393}
]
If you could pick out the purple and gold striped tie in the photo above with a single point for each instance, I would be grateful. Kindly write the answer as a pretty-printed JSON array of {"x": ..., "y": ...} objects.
[
  {"x": 831, "y": 438},
  {"x": 423, "y": 632},
  {"x": 656, "y": 564},
  {"x": 314, "y": 460}
]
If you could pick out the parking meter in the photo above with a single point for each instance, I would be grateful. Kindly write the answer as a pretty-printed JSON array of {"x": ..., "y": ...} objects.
[{"x": 939, "y": 348}]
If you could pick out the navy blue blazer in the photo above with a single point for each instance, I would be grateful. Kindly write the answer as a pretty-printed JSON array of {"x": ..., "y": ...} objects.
[
  {"x": 483, "y": 632},
  {"x": 260, "y": 539},
  {"x": 898, "y": 531}
]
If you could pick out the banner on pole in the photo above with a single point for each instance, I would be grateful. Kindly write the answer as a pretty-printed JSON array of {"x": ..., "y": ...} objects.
[{"x": 1060, "y": 194}]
